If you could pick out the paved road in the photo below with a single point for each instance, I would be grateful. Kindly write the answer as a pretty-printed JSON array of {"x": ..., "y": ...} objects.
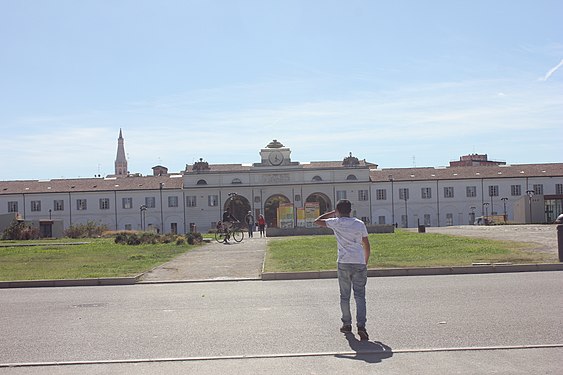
[{"x": 463, "y": 324}]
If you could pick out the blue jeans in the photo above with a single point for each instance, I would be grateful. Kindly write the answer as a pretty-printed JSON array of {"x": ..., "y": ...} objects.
[{"x": 353, "y": 277}]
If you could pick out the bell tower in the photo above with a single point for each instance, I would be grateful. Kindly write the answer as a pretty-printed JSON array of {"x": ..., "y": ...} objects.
[{"x": 120, "y": 159}]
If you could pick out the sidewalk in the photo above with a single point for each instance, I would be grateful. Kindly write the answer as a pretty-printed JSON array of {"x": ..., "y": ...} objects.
[{"x": 214, "y": 261}]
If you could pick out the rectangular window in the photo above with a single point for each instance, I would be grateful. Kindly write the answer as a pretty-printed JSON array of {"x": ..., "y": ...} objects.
[
  {"x": 81, "y": 204},
  {"x": 403, "y": 194},
  {"x": 381, "y": 194},
  {"x": 471, "y": 191},
  {"x": 59, "y": 205},
  {"x": 35, "y": 206},
  {"x": 365, "y": 219},
  {"x": 426, "y": 193},
  {"x": 493, "y": 191},
  {"x": 191, "y": 201},
  {"x": 427, "y": 221},
  {"x": 448, "y": 192},
  {"x": 13, "y": 206},
  {"x": 173, "y": 201},
  {"x": 104, "y": 203},
  {"x": 340, "y": 194},
  {"x": 174, "y": 228},
  {"x": 559, "y": 189},
  {"x": 449, "y": 219},
  {"x": 362, "y": 195},
  {"x": 212, "y": 200},
  {"x": 150, "y": 202},
  {"x": 515, "y": 190},
  {"x": 538, "y": 189},
  {"x": 127, "y": 203},
  {"x": 381, "y": 219},
  {"x": 128, "y": 226}
]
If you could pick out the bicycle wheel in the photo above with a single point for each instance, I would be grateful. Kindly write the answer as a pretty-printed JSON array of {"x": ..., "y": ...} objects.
[
  {"x": 238, "y": 235},
  {"x": 220, "y": 236}
]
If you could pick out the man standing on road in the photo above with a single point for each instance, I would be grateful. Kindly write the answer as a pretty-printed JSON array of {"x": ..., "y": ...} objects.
[{"x": 353, "y": 255}]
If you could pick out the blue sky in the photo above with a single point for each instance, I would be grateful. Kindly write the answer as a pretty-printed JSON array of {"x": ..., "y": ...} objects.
[{"x": 398, "y": 83}]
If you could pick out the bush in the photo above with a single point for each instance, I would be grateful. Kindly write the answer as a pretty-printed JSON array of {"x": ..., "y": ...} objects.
[
  {"x": 194, "y": 238},
  {"x": 20, "y": 231},
  {"x": 88, "y": 230}
]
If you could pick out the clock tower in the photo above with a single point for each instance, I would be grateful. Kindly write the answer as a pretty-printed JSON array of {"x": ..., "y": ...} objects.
[{"x": 275, "y": 155}]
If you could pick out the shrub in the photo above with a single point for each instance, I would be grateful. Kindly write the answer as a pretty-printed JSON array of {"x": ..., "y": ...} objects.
[
  {"x": 88, "y": 230},
  {"x": 194, "y": 238},
  {"x": 20, "y": 231}
]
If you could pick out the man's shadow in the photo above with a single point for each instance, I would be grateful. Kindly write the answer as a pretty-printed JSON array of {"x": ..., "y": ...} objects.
[{"x": 367, "y": 351}]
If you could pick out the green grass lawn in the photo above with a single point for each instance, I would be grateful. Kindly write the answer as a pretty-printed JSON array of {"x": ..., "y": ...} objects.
[
  {"x": 98, "y": 258},
  {"x": 399, "y": 249}
]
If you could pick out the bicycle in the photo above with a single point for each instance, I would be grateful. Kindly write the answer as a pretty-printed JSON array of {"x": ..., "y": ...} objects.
[{"x": 224, "y": 233}]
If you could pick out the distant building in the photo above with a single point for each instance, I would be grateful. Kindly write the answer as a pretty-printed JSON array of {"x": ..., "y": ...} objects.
[
  {"x": 475, "y": 160},
  {"x": 289, "y": 193}
]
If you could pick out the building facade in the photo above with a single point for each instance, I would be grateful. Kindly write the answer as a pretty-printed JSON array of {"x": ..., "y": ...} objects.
[{"x": 291, "y": 194}]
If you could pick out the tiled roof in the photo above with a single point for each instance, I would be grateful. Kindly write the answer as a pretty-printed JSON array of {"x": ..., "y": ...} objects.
[
  {"x": 458, "y": 173},
  {"x": 91, "y": 184}
]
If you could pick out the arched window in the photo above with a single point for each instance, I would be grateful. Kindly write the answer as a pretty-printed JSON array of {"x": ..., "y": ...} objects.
[
  {"x": 317, "y": 179},
  {"x": 351, "y": 177},
  {"x": 202, "y": 182},
  {"x": 236, "y": 181}
]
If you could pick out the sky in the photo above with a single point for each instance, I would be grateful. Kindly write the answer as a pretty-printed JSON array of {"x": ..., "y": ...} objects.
[{"x": 399, "y": 83}]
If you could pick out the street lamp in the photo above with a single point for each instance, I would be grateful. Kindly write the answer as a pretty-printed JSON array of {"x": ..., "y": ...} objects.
[
  {"x": 530, "y": 195},
  {"x": 504, "y": 203},
  {"x": 392, "y": 201},
  {"x": 143, "y": 208},
  {"x": 406, "y": 198}
]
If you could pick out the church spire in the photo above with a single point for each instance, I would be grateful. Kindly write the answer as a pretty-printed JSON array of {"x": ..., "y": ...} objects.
[{"x": 120, "y": 160}]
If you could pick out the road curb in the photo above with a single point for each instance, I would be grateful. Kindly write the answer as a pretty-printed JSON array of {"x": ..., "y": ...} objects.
[
  {"x": 105, "y": 281},
  {"x": 420, "y": 271}
]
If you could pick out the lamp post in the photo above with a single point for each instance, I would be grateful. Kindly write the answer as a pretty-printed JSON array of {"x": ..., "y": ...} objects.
[
  {"x": 392, "y": 201},
  {"x": 143, "y": 209},
  {"x": 406, "y": 198},
  {"x": 530, "y": 195},
  {"x": 504, "y": 203},
  {"x": 161, "y": 213},
  {"x": 486, "y": 207}
]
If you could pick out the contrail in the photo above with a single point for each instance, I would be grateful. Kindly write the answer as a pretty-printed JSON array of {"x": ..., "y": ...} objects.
[{"x": 553, "y": 70}]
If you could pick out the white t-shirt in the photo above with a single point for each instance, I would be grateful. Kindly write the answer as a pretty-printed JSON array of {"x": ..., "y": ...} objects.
[{"x": 349, "y": 232}]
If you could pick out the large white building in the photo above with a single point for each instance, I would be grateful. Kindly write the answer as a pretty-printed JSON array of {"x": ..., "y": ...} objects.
[{"x": 195, "y": 198}]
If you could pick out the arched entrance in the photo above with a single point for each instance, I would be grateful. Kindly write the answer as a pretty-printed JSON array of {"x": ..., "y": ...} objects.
[
  {"x": 239, "y": 206},
  {"x": 322, "y": 199},
  {"x": 271, "y": 209}
]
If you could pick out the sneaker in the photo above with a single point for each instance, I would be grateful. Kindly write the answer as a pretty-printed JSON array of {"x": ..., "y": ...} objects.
[
  {"x": 346, "y": 328},
  {"x": 363, "y": 333}
]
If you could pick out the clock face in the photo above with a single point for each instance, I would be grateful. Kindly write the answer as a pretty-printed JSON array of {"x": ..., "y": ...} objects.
[{"x": 275, "y": 158}]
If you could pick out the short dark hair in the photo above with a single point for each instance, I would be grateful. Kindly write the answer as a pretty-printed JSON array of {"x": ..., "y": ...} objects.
[{"x": 344, "y": 207}]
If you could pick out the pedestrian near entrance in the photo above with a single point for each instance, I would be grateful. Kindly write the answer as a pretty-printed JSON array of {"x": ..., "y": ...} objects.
[
  {"x": 261, "y": 225},
  {"x": 353, "y": 255},
  {"x": 250, "y": 223}
]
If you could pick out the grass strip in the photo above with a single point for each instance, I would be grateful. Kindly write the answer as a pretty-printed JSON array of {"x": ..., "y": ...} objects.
[
  {"x": 399, "y": 249},
  {"x": 98, "y": 258}
]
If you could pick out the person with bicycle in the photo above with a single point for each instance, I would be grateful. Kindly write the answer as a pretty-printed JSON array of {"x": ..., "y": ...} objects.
[{"x": 228, "y": 220}]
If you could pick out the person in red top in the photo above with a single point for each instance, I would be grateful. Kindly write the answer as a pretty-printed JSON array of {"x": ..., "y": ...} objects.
[{"x": 261, "y": 225}]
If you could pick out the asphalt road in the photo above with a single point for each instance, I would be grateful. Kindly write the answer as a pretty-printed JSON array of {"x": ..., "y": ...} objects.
[{"x": 463, "y": 324}]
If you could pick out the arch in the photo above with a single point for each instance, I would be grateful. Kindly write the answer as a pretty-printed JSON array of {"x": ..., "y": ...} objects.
[
  {"x": 317, "y": 179},
  {"x": 271, "y": 209},
  {"x": 322, "y": 199},
  {"x": 201, "y": 182},
  {"x": 239, "y": 206},
  {"x": 351, "y": 177}
]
